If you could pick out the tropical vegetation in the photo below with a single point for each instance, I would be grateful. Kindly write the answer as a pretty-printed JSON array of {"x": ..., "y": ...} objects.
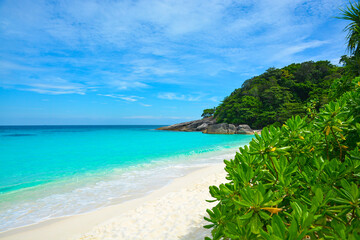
[
  {"x": 299, "y": 180},
  {"x": 208, "y": 112},
  {"x": 278, "y": 94}
]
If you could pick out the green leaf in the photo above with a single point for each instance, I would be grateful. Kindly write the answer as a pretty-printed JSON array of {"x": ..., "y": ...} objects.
[
  {"x": 255, "y": 224},
  {"x": 278, "y": 226},
  {"x": 296, "y": 207},
  {"x": 309, "y": 219},
  {"x": 243, "y": 203},
  {"x": 209, "y": 226},
  {"x": 264, "y": 215},
  {"x": 232, "y": 228},
  {"x": 265, "y": 234},
  {"x": 246, "y": 216},
  {"x": 293, "y": 229},
  {"x": 319, "y": 195}
]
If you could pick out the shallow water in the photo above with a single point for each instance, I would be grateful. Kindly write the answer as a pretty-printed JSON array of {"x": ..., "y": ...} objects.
[{"x": 54, "y": 171}]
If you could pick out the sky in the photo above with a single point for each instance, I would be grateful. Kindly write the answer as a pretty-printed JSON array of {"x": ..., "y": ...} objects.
[{"x": 149, "y": 61}]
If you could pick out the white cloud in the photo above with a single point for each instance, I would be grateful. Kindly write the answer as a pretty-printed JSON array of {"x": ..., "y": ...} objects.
[
  {"x": 289, "y": 51},
  {"x": 156, "y": 25},
  {"x": 152, "y": 67},
  {"x": 7, "y": 65},
  {"x": 54, "y": 86},
  {"x": 171, "y": 96},
  {"x": 124, "y": 85},
  {"x": 214, "y": 99},
  {"x": 145, "y": 105},
  {"x": 127, "y": 45},
  {"x": 175, "y": 96},
  {"x": 52, "y": 91},
  {"x": 123, "y": 97}
]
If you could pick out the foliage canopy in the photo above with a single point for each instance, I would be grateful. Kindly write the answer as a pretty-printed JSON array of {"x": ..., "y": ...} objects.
[
  {"x": 295, "y": 182},
  {"x": 278, "y": 94},
  {"x": 208, "y": 112}
]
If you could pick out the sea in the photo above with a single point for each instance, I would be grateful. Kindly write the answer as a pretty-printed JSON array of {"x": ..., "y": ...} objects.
[{"x": 48, "y": 172}]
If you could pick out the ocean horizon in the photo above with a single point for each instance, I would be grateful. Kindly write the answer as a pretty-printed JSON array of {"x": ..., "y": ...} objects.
[{"x": 51, "y": 171}]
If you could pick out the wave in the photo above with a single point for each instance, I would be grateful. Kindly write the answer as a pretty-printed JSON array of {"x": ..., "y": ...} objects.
[{"x": 93, "y": 190}]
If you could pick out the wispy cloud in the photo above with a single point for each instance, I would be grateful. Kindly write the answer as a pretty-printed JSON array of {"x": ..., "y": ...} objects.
[
  {"x": 52, "y": 91},
  {"x": 182, "y": 97},
  {"x": 145, "y": 67},
  {"x": 289, "y": 51},
  {"x": 159, "y": 49},
  {"x": 145, "y": 105},
  {"x": 122, "y": 97},
  {"x": 214, "y": 99},
  {"x": 125, "y": 85},
  {"x": 9, "y": 66},
  {"x": 146, "y": 42},
  {"x": 53, "y": 86}
]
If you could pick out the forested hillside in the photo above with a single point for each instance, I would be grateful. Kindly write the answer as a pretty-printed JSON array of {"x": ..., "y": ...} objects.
[{"x": 278, "y": 94}]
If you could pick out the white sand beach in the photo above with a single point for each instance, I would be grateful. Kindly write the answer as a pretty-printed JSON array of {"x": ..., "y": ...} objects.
[{"x": 175, "y": 211}]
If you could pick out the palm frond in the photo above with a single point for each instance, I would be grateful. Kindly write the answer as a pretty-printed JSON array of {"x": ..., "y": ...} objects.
[{"x": 352, "y": 13}]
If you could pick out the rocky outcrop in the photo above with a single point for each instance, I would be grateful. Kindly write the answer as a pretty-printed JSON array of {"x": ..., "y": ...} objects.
[
  {"x": 244, "y": 129},
  {"x": 220, "y": 128},
  {"x": 192, "y": 126},
  {"x": 209, "y": 125},
  {"x": 202, "y": 127}
]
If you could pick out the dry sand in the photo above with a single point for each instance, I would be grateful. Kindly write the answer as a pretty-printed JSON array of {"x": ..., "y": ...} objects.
[{"x": 175, "y": 211}]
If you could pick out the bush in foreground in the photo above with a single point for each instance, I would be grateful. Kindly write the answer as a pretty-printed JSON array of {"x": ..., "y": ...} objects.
[{"x": 300, "y": 181}]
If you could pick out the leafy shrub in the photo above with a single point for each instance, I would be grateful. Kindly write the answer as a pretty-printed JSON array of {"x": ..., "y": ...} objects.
[{"x": 300, "y": 181}]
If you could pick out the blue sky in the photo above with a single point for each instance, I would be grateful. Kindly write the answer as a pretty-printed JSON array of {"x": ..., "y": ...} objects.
[{"x": 149, "y": 61}]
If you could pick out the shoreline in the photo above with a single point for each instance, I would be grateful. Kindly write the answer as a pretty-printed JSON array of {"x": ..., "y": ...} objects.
[
  {"x": 73, "y": 227},
  {"x": 115, "y": 188}
]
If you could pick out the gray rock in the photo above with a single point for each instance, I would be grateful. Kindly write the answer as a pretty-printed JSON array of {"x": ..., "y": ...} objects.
[
  {"x": 209, "y": 125},
  {"x": 193, "y": 126},
  {"x": 231, "y": 129},
  {"x": 244, "y": 129},
  {"x": 220, "y": 128},
  {"x": 202, "y": 127},
  {"x": 188, "y": 126}
]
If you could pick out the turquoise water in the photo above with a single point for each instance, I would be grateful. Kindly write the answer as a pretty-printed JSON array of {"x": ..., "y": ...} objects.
[{"x": 54, "y": 171}]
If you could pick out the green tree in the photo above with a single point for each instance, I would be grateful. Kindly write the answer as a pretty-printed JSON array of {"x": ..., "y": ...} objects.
[
  {"x": 351, "y": 65},
  {"x": 278, "y": 94},
  {"x": 208, "y": 112}
]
